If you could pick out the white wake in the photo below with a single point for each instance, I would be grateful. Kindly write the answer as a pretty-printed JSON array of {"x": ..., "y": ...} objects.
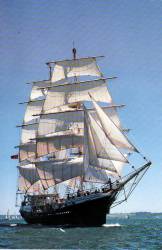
[
  {"x": 112, "y": 225},
  {"x": 13, "y": 225}
]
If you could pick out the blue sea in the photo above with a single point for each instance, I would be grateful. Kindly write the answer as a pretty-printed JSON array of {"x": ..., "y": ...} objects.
[{"x": 121, "y": 231}]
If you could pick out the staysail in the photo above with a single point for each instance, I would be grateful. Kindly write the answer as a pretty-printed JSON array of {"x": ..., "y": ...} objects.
[{"x": 113, "y": 132}]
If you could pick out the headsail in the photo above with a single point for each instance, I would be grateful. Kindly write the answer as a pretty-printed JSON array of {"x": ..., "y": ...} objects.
[
  {"x": 103, "y": 146},
  {"x": 112, "y": 131}
]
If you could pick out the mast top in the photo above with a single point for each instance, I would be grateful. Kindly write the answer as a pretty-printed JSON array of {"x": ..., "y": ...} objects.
[{"x": 74, "y": 52}]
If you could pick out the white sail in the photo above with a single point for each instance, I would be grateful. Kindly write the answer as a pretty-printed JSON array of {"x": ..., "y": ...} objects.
[
  {"x": 112, "y": 131},
  {"x": 111, "y": 112},
  {"x": 71, "y": 183},
  {"x": 52, "y": 144},
  {"x": 92, "y": 153},
  {"x": 23, "y": 184},
  {"x": 93, "y": 174},
  {"x": 119, "y": 167},
  {"x": 32, "y": 109},
  {"x": 27, "y": 151},
  {"x": 60, "y": 171},
  {"x": 29, "y": 172},
  {"x": 51, "y": 123},
  {"x": 76, "y": 92},
  {"x": 60, "y": 121},
  {"x": 37, "y": 187},
  {"x": 95, "y": 168},
  {"x": 56, "y": 122},
  {"x": 30, "y": 123},
  {"x": 28, "y": 133},
  {"x": 39, "y": 90},
  {"x": 104, "y": 148},
  {"x": 77, "y": 67}
]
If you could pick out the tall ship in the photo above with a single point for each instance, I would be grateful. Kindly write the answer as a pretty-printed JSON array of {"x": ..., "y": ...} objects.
[{"x": 74, "y": 153}]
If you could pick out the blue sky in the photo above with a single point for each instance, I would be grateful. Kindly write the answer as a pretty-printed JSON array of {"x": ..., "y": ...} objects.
[{"x": 127, "y": 33}]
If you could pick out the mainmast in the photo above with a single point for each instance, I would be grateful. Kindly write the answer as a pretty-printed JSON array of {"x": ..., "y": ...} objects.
[{"x": 78, "y": 105}]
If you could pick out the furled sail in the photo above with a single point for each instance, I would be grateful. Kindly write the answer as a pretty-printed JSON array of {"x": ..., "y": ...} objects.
[{"x": 76, "y": 67}]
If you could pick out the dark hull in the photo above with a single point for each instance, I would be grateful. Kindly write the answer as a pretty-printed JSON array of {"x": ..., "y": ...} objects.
[{"x": 82, "y": 211}]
